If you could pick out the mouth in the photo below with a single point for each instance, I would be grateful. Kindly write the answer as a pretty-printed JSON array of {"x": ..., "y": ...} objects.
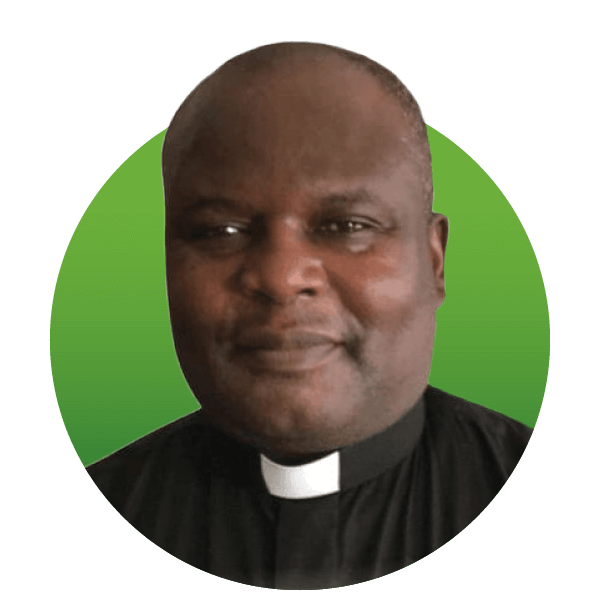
[
  {"x": 289, "y": 360},
  {"x": 286, "y": 352}
]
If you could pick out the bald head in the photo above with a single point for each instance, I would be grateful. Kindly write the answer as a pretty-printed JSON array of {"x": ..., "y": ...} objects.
[{"x": 280, "y": 84}]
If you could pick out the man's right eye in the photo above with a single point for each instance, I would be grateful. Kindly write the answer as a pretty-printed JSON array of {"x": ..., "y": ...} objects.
[{"x": 217, "y": 231}]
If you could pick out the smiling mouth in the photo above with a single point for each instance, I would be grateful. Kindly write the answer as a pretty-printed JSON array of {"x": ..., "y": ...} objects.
[{"x": 290, "y": 360}]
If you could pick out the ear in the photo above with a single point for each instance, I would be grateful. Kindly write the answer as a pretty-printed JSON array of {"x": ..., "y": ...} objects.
[{"x": 438, "y": 238}]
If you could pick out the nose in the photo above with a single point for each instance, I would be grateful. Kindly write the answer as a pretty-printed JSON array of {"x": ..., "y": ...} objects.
[{"x": 283, "y": 266}]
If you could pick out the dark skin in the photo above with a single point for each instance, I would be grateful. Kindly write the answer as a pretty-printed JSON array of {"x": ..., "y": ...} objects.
[{"x": 303, "y": 270}]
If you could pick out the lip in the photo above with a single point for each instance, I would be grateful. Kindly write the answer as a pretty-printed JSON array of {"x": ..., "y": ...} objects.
[
  {"x": 286, "y": 351},
  {"x": 288, "y": 339}
]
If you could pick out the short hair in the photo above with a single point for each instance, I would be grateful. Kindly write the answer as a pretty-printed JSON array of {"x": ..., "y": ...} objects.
[{"x": 266, "y": 58}]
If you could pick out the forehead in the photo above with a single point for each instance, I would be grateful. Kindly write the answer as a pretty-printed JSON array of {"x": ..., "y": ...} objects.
[{"x": 306, "y": 124}]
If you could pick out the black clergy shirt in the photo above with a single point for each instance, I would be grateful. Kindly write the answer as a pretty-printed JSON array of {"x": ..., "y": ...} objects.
[{"x": 403, "y": 493}]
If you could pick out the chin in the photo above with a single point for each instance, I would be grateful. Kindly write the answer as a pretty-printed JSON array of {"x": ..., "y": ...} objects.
[{"x": 286, "y": 422}]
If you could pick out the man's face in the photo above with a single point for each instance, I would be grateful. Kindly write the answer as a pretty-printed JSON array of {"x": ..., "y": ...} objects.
[{"x": 303, "y": 274}]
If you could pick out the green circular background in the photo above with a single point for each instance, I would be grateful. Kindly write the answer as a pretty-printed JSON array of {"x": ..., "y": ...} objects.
[{"x": 115, "y": 370}]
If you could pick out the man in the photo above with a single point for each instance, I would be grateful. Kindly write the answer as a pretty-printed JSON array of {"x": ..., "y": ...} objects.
[{"x": 304, "y": 270}]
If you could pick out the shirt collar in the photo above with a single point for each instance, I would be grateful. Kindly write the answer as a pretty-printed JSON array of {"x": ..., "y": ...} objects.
[
  {"x": 348, "y": 467},
  {"x": 318, "y": 478}
]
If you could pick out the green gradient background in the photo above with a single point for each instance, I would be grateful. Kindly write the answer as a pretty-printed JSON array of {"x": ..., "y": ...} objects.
[{"x": 115, "y": 371}]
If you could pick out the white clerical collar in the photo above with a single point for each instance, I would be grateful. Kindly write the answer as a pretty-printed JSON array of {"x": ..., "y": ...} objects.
[{"x": 318, "y": 478}]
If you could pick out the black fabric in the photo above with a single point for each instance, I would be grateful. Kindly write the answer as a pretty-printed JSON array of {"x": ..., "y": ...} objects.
[{"x": 200, "y": 495}]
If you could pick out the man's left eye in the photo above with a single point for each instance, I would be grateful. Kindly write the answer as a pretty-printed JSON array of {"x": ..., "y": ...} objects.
[{"x": 344, "y": 226}]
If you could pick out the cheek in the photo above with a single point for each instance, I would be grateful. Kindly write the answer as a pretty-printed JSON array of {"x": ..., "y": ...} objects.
[
  {"x": 198, "y": 299},
  {"x": 381, "y": 294},
  {"x": 397, "y": 324}
]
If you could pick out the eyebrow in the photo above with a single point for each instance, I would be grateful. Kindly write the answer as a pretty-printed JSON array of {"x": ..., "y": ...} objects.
[{"x": 323, "y": 203}]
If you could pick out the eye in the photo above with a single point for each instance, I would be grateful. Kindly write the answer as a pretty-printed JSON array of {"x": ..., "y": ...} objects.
[
  {"x": 217, "y": 232},
  {"x": 345, "y": 226}
]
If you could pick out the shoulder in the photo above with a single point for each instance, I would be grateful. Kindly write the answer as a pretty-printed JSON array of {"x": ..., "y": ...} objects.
[
  {"x": 460, "y": 427},
  {"x": 177, "y": 445}
]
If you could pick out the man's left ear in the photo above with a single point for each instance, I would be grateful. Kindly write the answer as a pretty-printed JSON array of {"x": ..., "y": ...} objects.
[{"x": 438, "y": 238}]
